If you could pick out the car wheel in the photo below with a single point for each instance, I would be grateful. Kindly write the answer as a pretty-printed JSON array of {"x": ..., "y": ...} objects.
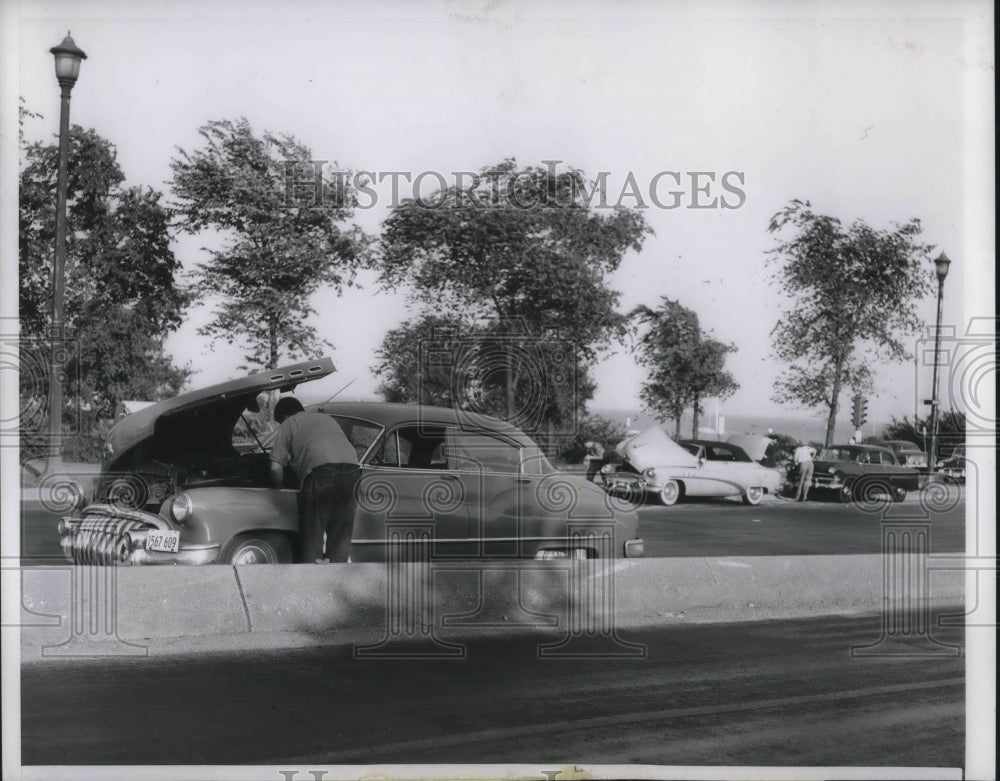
[
  {"x": 753, "y": 495},
  {"x": 671, "y": 493},
  {"x": 256, "y": 548},
  {"x": 898, "y": 493}
]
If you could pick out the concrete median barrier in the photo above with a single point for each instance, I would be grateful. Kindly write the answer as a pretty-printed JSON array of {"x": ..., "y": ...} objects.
[{"x": 93, "y": 608}]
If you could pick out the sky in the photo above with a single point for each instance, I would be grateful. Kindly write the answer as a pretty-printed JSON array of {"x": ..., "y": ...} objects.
[
  {"x": 880, "y": 111},
  {"x": 868, "y": 113}
]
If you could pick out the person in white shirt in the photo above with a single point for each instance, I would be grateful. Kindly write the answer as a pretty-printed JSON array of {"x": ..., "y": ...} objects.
[{"x": 804, "y": 458}]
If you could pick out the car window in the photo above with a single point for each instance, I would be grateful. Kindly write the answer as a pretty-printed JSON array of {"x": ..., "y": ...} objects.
[
  {"x": 475, "y": 451},
  {"x": 694, "y": 450},
  {"x": 417, "y": 446},
  {"x": 719, "y": 453},
  {"x": 834, "y": 454},
  {"x": 360, "y": 433},
  {"x": 392, "y": 452}
]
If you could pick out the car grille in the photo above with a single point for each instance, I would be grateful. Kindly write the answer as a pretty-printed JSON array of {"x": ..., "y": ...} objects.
[{"x": 105, "y": 535}]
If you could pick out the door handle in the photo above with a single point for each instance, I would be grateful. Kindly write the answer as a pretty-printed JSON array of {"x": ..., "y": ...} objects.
[{"x": 449, "y": 476}]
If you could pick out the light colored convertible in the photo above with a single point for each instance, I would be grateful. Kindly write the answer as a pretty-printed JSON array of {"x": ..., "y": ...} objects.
[{"x": 657, "y": 467}]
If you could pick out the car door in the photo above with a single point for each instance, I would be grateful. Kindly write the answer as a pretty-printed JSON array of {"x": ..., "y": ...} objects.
[
  {"x": 409, "y": 494},
  {"x": 497, "y": 491},
  {"x": 718, "y": 473}
]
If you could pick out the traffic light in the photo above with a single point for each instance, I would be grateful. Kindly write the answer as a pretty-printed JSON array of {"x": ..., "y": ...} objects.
[{"x": 859, "y": 413}]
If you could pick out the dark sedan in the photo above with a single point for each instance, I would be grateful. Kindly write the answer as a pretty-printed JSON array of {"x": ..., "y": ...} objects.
[{"x": 860, "y": 472}]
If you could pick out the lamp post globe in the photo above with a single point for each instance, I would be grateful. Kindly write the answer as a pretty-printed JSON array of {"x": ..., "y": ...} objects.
[
  {"x": 68, "y": 57},
  {"x": 941, "y": 265}
]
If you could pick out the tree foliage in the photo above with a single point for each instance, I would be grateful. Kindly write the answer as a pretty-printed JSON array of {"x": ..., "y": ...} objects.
[
  {"x": 520, "y": 253},
  {"x": 951, "y": 430},
  {"x": 853, "y": 294},
  {"x": 122, "y": 292},
  {"x": 686, "y": 366},
  {"x": 285, "y": 234},
  {"x": 450, "y": 361}
]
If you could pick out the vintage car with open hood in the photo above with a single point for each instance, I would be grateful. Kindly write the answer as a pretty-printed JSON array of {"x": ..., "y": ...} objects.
[
  {"x": 179, "y": 485},
  {"x": 656, "y": 466}
]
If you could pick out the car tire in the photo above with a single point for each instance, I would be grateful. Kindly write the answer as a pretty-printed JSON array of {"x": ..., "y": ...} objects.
[
  {"x": 898, "y": 493},
  {"x": 752, "y": 496},
  {"x": 671, "y": 493},
  {"x": 256, "y": 548}
]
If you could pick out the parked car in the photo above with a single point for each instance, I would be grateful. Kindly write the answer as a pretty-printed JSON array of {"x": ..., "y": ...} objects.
[
  {"x": 908, "y": 453},
  {"x": 655, "y": 466},
  {"x": 953, "y": 467},
  {"x": 175, "y": 490},
  {"x": 860, "y": 472}
]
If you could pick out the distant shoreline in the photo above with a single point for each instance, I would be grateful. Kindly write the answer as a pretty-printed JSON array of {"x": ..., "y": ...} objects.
[{"x": 804, "y": 428}]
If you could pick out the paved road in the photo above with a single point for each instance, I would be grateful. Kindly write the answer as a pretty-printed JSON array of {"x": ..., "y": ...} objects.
[
  {"x": 719, "y": 527},
  {"x": 775, "y": 693},
  {"x": 723, "y": 527}
]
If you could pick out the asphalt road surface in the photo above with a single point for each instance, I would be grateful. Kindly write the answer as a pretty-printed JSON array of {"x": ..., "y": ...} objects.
[
  {"x": 782, "y": 527},
  {"x": 763, "y": 693},
  {"x": 718, "y": 527}
]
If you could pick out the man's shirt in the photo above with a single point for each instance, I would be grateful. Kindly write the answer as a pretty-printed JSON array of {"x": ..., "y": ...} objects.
[
  {"x": 310, "y": 439},
  {"x": 804, "y": 453}
]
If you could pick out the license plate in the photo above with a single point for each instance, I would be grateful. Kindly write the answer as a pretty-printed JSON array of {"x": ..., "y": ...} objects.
[{"x": 164, "y": 541}]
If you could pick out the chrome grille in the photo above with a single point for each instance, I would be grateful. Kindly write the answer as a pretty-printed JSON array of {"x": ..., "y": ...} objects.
[{"x": 105, "y": 535}]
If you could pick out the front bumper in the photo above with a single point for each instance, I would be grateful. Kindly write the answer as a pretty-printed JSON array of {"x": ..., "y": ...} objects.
[{"x": 106, "y": 535}]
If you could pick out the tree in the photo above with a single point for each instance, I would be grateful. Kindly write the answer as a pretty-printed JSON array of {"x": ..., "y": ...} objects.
[
  {"x": 285, "y": 234},
  {"x": 122, "y": 293},
  {"x": 951, "y": 430},
  {"x": 708, "y": 377},
  {"x": 686, "y": 366},
  {"x": 521, "y": 252},
  {"x": 407, "y": 378},
  {"x": 450, "y": 361},
  {"x": 853, "y": 293}
]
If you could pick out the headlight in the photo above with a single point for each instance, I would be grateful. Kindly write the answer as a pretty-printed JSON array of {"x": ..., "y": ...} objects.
[
  {"x": 181, "y": 508},
  {"x": 650, "y": 473}
]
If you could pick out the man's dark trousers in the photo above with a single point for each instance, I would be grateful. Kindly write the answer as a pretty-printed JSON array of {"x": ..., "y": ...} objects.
[{"x": 326, "y": 504}]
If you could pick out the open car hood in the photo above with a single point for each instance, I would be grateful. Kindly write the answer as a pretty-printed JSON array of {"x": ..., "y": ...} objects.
[
  {"x": 755, "y": 445},
  {"x": 206, "y": 412},
  {"x": 653, "y": 448}
]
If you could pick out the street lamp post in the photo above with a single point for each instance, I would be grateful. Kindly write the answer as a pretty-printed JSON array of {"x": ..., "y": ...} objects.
[
  {"x": 941, "y": 269},
  {"x": 68, "y": 58}
]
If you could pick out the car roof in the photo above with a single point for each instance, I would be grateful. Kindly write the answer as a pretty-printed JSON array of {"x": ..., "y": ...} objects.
[
  {"x": 391, "y": 414},
  {"x": 876, "y": 448}
]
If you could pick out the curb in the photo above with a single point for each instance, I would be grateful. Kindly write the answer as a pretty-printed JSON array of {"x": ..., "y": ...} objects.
[{"x": 73, "y": 612}]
